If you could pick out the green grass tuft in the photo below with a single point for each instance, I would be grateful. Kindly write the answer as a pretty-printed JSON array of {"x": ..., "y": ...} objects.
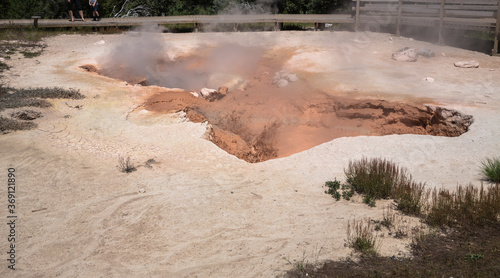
[{"x": 491, "y": 169}]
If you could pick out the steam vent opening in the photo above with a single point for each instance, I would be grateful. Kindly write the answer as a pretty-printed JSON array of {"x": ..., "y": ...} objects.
[{"x": 258, "y": 110}]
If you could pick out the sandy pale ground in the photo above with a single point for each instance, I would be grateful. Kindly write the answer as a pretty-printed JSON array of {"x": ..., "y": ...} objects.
[{"x": 200, "y": 212}]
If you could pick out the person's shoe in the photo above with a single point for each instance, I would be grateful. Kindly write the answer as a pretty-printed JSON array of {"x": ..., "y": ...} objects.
[
  {"x": 98, "y": 19},
  {"x": 94, "y": 19}
]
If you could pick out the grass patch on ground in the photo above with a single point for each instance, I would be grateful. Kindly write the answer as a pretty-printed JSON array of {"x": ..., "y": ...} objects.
[
  {"x": 465, "y": 208},
  {"x": 4, "y": 66},
  {"x": 7, "y": 124},
  {"x": 376, "y": 179},
  {"x": 465, "y": 242},
  {"x": 491, "y": 169},
  {"x": 361, "y": 238},
  {"x": 458, "y": 254},
  {"x": 11, "y": 98}
]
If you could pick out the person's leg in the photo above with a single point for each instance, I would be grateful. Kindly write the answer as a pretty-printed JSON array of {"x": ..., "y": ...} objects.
[
  {"x": 79, "y": 8},
  {"x": 70, "y": 11},
  {"x": 81, "y": 14}
]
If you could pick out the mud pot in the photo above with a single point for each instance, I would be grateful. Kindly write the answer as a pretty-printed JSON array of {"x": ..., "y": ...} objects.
[{"x": 260, "y": 112}]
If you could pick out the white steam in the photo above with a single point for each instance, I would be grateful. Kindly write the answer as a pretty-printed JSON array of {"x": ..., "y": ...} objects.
[{"x": 144, "y": 55}]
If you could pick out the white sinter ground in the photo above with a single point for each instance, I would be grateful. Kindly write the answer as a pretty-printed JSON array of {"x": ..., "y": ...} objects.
[{"x": 200, "y": 212}]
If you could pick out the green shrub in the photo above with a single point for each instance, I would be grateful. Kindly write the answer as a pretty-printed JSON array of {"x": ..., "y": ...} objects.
[
  {"x": 347, "y": 191},
  {"x": 333, "y": 187},
  {"x": 491, "y": 169}
]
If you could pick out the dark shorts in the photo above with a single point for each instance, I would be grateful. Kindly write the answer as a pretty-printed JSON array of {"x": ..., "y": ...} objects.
[
  {"x": 77, "y": 4},
  {"x": 94, "y": 8}
]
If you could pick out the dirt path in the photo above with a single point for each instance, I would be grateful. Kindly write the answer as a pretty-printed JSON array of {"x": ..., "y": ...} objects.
[{"x": 198, "y": 211}]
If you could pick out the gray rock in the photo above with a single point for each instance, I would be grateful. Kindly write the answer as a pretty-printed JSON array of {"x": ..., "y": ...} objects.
[
  {"x": 426, "y": 53},
  {"x": 467, "y": 64},
  {"x": 406, "y": 54}
]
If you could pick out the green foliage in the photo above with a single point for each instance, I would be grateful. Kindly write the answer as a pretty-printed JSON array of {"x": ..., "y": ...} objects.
[
  {"x": 491, "y": 169},
  {"x": 333, "y": 188},
  {"x": 4, "y": 66},
  {"x": 110, "y": 8},
  {"x": 367, "y": 199},
  {"x": 474, "y": 257},
  {"x": 347, "y": 192},
  {"x": 28, "y": 54}
]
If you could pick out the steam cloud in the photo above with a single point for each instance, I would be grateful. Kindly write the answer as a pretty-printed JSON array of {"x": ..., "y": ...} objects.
[{"x": 144, "y": 55}]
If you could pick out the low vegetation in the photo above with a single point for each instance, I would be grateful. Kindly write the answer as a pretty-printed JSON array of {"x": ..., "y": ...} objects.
[
  {"x": 376, "y": 179},
  {"x": 491, "y": 169},
  {"x": 466, "y": 241},
  {"x": 361, "y": 238},
  {"x": 7, "y": 124},
  {"x": 11, "y": 98},
  {"x": 126, "y": 165}
]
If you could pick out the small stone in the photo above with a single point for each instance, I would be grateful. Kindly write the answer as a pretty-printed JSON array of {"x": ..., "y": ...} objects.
[
  {"x": 467, "y": 64},
  {"x": 405, "y": 55},
  {"x": 282, "y": 83},
  {"x": 142, "y": 190},
  {"x": 223, "y": 90},
  {"x": 429, "y": 79}
]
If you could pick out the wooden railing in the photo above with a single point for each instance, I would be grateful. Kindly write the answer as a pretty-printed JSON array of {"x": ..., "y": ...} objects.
[{"x": 459, "y": 14}]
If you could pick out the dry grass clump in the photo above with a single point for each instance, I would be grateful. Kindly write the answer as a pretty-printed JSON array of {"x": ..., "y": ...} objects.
[
  {"x": 361, "y": 237},
  {"x": 125, "y": 165},
  {"x": 7, "y": 124},
  {"x": 32, "y": 97},
  {"x": 382, "y": 179},
  {"x": 465, "y": 208},
  {"x": 54, "y": 92},
  {"x": 411, "y": 197},
  {"x": 375, "y": 177}
]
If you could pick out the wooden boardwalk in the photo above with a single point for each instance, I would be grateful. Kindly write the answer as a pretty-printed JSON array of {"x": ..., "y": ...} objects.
[
  {"x": 372, "y": 14},
  {"x": 192, "y": 19}
]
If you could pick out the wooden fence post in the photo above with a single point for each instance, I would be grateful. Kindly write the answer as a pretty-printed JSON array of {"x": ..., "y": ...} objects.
[
  {"x": 356, "y": 19},
  {"x": 35, "y": 20},
  {"x": 497, "y": 31},
  {"x": 441, "y": 23},
  {"x": 398, "y": 22}
]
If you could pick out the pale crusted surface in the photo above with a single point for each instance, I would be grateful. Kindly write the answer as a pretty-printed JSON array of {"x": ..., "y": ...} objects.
[{"x": 205, "y": 213}]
